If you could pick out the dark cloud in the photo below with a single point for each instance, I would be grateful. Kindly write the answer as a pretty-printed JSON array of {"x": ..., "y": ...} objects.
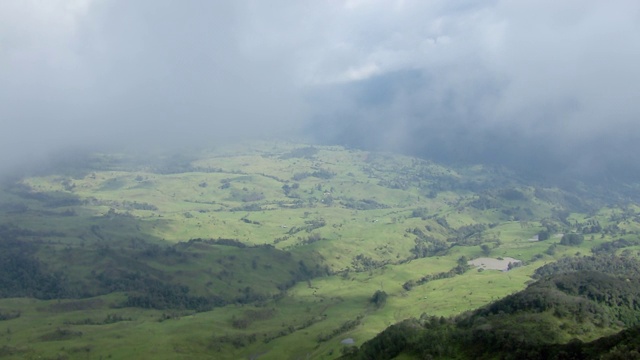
[{"x": 542, "y": 85}]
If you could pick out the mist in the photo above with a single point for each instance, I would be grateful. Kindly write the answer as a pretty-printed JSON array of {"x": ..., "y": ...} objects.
[{"x": 545, "y": 87}]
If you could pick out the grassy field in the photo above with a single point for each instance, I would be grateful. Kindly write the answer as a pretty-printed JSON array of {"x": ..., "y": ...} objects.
[{"x": 294, "y": 240}]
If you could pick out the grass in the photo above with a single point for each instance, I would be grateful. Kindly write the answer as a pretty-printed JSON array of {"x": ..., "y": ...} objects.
[{"x": 349, "y": 211}]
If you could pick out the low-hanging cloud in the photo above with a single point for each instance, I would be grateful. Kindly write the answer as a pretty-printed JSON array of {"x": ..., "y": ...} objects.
[
  {"x": 143, "y": 73},
  {"x": 545, "y": 85}
]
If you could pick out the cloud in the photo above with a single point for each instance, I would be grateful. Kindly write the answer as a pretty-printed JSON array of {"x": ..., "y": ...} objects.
[
  {"x": 135, "y": 74},
  {"x": 542, "y": 84},
  {"x": 537, "y": 85}
]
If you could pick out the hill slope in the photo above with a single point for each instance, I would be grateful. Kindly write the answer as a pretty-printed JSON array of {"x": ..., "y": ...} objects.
[
  {"x": 549, "y": 319},
  {"x": 277, "y": 249}
]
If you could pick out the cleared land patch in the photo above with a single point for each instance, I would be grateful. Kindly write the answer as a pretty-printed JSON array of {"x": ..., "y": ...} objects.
[{"x": 494, "y": 263}]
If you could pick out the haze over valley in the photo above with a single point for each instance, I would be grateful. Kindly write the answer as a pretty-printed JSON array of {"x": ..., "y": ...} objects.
[
  {"x": 546, "y": 87},
  {"x": 357, "y": 179}
]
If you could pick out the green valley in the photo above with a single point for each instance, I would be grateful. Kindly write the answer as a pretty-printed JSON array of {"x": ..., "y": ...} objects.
[{"x": 277, "y": 250}]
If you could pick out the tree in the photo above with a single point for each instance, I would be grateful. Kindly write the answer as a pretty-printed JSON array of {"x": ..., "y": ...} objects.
[
  {"x": 379, "y": 299},
  {"x": 544, "y": 235},
  {"x": 486, "y": 250},
  {"x": 571, "y": 239}
]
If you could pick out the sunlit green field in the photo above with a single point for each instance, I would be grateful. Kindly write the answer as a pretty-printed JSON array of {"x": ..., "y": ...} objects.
[{"x": 317, "y": 231}]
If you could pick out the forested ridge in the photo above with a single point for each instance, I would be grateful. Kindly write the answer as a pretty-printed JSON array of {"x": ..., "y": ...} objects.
[{"x": 133, "y": 271}]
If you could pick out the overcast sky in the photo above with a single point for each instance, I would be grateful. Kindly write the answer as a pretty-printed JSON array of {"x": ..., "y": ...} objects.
[{"x": 554, "y": 85}]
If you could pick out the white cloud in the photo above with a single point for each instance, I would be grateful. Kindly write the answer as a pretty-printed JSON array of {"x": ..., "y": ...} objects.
[
  {"x": 362, "y": 72},
  {"x": 95, "y": 69}
]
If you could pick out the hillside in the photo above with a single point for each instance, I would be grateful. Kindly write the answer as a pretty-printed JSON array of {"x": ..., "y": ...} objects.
[
  {"x": 277, "y": 250},
  {"x": 569, "y": 314}
]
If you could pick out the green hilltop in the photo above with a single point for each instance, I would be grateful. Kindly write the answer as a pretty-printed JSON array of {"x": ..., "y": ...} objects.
[{"x": 280, "y": 251}]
